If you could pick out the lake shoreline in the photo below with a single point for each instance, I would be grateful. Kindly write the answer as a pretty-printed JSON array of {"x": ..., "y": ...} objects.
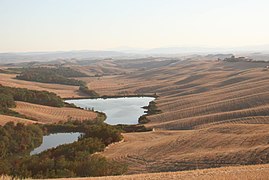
[
  {"x": 126, "y": 126},
  {"x": 118, "y": 109},
  {"x": 49, "y": 141},
  {"x": 112, "y": 96}
]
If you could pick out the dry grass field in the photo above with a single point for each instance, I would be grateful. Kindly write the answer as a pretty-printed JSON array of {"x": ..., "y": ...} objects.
[
  {"x": 64, "y": 91},
  {"x": 223, "y": 145},
  {"x": 227, "y": 173},
  {"x": 214, "y": 114},
  {"x": 4, "y": 119},
  {"x": 47, "y": 114},
  {"x": 259, "y": 172}
]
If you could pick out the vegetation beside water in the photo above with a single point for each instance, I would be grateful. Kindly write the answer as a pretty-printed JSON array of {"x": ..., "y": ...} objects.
[
  {"x": 18, "y": 139},
  {"x": 71, "y": 160},
  {"x": 133, "y": 128},
  {"x": 16, "y": 142},
  {"x": 151, "y": 109},
  {"x": 84, "y": 88},
  {"x": 77, "y": 159}
]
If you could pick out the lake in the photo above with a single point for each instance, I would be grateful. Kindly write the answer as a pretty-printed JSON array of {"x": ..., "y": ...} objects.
[
  {"x": 54, "y": 140},
  {"x": 125, "y": 110}
]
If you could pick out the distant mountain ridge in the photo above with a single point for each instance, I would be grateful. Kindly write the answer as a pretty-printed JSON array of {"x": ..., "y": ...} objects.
[
  {"x": 49, "y": 56},
  {"x": 17, "y": 57},
  {"x": 195, "y": 50}
]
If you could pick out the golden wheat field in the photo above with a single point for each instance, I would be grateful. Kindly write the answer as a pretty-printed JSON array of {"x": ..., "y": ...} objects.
[{"x": 47, "y": 114}]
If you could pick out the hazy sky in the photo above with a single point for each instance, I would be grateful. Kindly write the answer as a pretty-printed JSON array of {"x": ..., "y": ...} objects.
[{"x": 48, "y": 25}]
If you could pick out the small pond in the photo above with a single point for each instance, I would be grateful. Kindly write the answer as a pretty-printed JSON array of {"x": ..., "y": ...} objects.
[
  {"x": 126, "y": 110},
  {"x": 54, "y": 140}
]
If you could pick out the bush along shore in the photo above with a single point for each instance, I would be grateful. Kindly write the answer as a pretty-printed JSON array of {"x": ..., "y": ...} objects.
[
  {"x": 78, "y": 159},
  {"x": 151, "y": 109}
]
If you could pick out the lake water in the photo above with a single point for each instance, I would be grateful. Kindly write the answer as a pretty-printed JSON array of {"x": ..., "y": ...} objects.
[
  {"x": 126, "y": 110},
  {"x": 54, "y": 140}
]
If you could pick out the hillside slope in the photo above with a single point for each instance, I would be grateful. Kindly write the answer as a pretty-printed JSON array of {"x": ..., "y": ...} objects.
[
  {"x": 227, "y": 173},
  {"x": 4, "y": 119},
  {"x": 213, "y": 114},
  {"x": 47, "y": 114},
  {"x": 64, "y": 91}
]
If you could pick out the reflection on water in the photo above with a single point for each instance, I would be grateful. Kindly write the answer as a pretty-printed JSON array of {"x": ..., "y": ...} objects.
[
  {"x": 125, "y": 110},
  {"x": 54, "y": 140}
]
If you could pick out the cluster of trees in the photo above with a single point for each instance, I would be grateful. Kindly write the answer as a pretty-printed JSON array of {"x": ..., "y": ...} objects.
[
  {"x": 60, "y": 75},
  {"x": 133, "y": 128},
  {"x": 151, "y": 109},
  {"x": 106, "y": 133},
  {"x": 11, "y": 70},
  {"x": 78, "y": 159},
  {"x": 84, "y": 88},
  {"x": 16, "y": 141},
  {"x": 6, "y": 102},
  {"x": 8, "y": 96},
  {"x": 50, "y": 165}
]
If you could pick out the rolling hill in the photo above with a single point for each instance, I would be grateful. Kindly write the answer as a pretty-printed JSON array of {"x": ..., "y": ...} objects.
[{"x": 214, "y": 113}]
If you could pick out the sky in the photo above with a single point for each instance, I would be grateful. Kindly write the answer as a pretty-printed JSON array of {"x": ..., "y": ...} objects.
[{"x": 53, "y": 25}]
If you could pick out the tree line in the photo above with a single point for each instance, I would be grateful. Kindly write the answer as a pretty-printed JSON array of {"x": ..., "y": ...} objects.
[
  {"x": 60, "y": 75},
  {"x": 8, "y": 96}
]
